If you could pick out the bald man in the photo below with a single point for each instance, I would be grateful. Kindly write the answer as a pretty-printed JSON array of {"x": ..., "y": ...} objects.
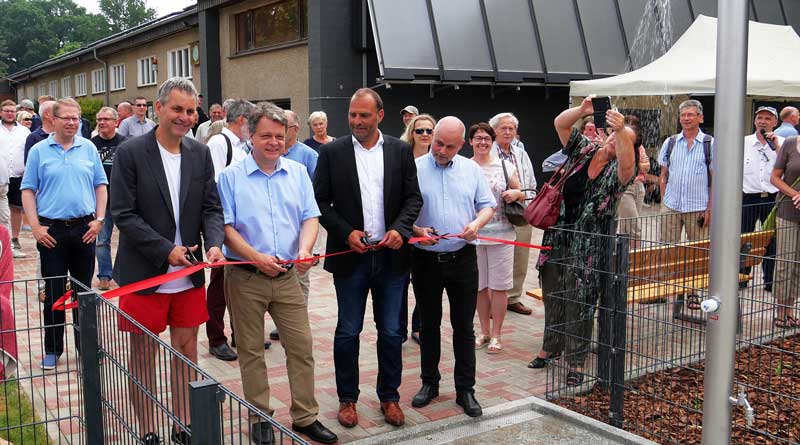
[
  {"x": 790, "y": 117},
  {"x": 124, "y": 111}
]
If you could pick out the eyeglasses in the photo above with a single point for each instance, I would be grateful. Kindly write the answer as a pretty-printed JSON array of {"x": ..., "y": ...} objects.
[
  {"x": 140, "y": 105},
  {"x": 69, "y": 119},
  {"x": 105, "y": 119},
  {"x": 423, "y": 130},
  {"x": 482, "y": 139},
  {"x": 27, "y": 119},
  {"x": 763, "y": 155}
]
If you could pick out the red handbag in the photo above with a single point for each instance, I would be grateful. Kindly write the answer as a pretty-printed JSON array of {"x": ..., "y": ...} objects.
[{"x": 543, "y": 211}]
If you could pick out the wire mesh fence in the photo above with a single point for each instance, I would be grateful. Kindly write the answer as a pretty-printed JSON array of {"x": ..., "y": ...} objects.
[
  {"x": 122, "y": 385},
  {"x": 642, "y": 368}
]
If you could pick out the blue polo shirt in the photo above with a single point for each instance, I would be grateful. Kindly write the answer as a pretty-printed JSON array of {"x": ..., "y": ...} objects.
[
  {"x": 64, "y": 181},
  {"x": 267, "y": 210},
  {"x": 452, "y": 196},
  {"x": 305, "y": 155}
]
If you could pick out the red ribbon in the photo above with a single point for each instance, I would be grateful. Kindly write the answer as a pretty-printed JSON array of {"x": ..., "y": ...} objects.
[{"x": 65, "y": 302}]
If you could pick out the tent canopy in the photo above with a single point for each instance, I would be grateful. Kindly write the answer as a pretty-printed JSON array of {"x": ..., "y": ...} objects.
[{"x": 689, "y": 67}]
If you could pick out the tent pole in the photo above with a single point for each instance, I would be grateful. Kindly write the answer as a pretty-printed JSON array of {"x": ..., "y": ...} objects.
[{"x": 731, "y": 69}]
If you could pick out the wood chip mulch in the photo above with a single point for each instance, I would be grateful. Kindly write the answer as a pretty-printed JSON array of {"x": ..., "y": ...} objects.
[{"x": 667, "y": 406}]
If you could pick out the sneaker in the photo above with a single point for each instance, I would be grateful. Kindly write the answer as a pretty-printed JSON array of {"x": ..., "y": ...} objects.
[
  {"x": 105, "y": 284},
  {"x": 15, "y": 244},
  {"x": 17, "y": 253},
  {"x": 26, "y": 228},
  {"x": 49, "y": 362}
]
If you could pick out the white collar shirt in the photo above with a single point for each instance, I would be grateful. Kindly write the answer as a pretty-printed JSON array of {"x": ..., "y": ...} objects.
[
  {"x": 369, "y": 165},
  {"x": 759, "y": 160},
  {"x": 219, "y": 150},
  {"x": 12, "y": 151}
]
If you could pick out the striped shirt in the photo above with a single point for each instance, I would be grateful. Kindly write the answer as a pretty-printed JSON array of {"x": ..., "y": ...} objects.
[{"x": 687, "y": 184}]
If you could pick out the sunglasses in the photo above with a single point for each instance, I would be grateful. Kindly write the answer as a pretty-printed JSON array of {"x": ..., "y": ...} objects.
[
  {"x": 141, "y": 105},
  {"x": 423, "y": 130},
  {"x": 27, "y": 119}
]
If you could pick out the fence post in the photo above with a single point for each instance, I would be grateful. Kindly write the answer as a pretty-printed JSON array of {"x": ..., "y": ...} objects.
[
  {"x": 90, "y": 367},
  {"x": 619, "y": 332},
  {"x": 205, "y": 400},
  {"x": 605, "y": 322}
]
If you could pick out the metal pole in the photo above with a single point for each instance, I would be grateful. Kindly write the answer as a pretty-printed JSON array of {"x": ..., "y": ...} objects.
[
  {"x": 90, "y": 368},
  {"x": 732, "y": 32},
  {"x": 205, "y": 407}
]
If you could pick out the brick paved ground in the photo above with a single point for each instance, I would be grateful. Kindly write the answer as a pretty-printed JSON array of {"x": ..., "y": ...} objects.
[{"x": 501, "y": 378}]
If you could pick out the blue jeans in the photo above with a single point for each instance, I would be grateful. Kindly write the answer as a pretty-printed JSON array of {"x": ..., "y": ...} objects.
[
  {"x": 372, "y": 273},
  {"x": 104, "y": 266}
]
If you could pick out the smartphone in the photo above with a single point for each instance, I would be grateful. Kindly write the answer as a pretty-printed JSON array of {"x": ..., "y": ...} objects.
[{"x": 601, "y": 105}]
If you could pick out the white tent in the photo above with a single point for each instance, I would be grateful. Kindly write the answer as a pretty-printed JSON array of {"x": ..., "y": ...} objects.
[{"x": 689, "y": 67}]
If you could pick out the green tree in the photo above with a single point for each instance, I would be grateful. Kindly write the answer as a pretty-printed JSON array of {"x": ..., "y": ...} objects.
[{"x": 125, "y": 14}]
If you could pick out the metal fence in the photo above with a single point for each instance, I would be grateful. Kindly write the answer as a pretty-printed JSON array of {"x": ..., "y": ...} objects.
[
  {"x": 102, "y": 395},
  {"x": 644, "y": 366}
]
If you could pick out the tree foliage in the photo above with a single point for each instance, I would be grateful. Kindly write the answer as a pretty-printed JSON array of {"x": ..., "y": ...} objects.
[
  {"x": 125, "y": 14},
  {"x": 32, "y": 31}
]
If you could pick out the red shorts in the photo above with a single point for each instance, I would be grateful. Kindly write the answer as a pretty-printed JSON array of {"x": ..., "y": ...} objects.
[{"x": 185, "y": 309}]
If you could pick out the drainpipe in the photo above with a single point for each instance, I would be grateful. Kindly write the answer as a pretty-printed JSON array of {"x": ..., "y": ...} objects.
[{"x": 108, "y": 77}]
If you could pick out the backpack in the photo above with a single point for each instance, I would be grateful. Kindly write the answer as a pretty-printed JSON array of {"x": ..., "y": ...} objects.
[{"x": 706, "y": 152}]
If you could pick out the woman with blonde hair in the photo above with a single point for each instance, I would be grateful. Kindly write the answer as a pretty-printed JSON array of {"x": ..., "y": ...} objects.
[
  {"x": 214, "y": 129},
  {"x": 419, "y": 133},
  {"x": 25, "y": 118}
]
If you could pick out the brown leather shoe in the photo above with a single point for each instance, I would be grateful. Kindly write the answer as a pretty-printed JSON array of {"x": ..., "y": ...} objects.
[
  {"x": 348, "y": 416},
  {"x": 519, "y": 308},
  {"x": 392, "y": 413}
]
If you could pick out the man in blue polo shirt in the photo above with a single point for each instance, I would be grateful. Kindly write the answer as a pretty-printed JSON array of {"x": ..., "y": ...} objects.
[
  {"x": 456, "y": 199},
  {"x": 64, "y": 193},
  {"x": 271, "y": 215}
]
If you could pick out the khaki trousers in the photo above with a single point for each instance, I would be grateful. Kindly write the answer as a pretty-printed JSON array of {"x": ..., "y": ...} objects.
[
  {"x": 787, "y": 271},
  {"x": 521, "y": 257},
  {"x": 672, "y": 223},
  {"x": 628, "y": 209},
  {"x": 249, "y": 296}
]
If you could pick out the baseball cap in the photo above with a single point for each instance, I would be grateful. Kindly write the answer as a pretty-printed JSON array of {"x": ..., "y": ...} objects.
[
  {"x": 770, "y": 110},
  {"x": 410, "y": 109},
  {"x": 26, "y": 103}
]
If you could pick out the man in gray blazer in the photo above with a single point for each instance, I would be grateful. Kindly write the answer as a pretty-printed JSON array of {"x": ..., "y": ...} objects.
[{"x": 166, "y": 205}]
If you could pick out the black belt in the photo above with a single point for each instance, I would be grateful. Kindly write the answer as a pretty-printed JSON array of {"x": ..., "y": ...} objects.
[
  {"x": 449, "y": 257},
  {"x": 66, "y": 222},
  {"x": 760, "y": 195},
  {"x": 253, "y": 269}
]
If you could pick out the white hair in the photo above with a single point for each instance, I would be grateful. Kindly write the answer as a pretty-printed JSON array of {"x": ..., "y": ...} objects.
[
  {"x": 495, "y": 121},
  {"x": 317, "y": 115}
]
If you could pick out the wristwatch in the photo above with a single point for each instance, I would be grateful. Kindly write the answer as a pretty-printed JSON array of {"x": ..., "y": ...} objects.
[{"x": 101, "y": 219}]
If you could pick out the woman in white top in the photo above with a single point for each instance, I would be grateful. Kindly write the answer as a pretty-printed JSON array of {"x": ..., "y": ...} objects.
[{"x": 495, "y": 260}]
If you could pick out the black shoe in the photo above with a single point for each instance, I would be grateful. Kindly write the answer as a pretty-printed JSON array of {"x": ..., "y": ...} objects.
[
  {"x": 466, "y": 400},
  {"x": 223, "y": 352},
  {"x": 274, "y": 335},
  {"x": 538, "y": 362},
  {"x": 261, "y": 434},
  {"x": 574, "y": 378},
  {"x": 768, "y": 287},
  {"x": 317, "y": 432},
  {"x": 425, "y": 395},
  {"x": 181, "y": 437},
  {"x": 151, "y": 439}
]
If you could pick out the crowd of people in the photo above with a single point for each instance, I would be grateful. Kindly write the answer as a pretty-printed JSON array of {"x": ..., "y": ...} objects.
[{"x": 238, "y": 185}]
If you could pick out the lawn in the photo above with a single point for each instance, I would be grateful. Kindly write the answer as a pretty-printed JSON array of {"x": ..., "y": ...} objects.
[{"x": 16, "y": 410}]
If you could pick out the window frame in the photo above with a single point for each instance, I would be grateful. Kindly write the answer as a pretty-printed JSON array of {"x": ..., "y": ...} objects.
[
  {"x": 115, "y": 84},
  {"x": 95, "y": 78},
  {"x": 302, "y": 13},
  {"x": 80, "y": 81},
  {"x": 178, "y": 52},
  {"x": 66, "y": 86},
  {"x": 140, "y": 72},
  {"x": 52, "y": 88},
  {"x": 42, "y": 89}
]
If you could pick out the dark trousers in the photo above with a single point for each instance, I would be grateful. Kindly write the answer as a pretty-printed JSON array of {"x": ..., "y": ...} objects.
[
  {"x": 415, "y": 323},
  {"x": 457, "y": 273},
  {"x": 757, "y": 208},
  {"x": 553, "y": 298},
  {"x": 373, "y": 273},
  {"x": 215, "y": 303},
  {"x": 70, "y": 255}
]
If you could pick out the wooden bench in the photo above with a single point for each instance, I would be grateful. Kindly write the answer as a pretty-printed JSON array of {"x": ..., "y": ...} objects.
[{"x": 657, "y": 273}]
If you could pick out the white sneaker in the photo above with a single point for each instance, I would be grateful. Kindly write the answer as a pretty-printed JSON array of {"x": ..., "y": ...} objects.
[{"x": 16, "y": 253}]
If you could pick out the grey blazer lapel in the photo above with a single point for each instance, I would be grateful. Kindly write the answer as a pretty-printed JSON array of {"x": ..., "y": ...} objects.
[
  {"x": 187, "y": 159},
  {"x": 349, "y": 158},
  {"x": 157, "y": 171},
  {"x": 390, "y": 155}
]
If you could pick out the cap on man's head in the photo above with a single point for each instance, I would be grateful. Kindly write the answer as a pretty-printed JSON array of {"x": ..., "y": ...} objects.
[
  {"x": 410, "y": 109},
  {"x": 26, "y": 103},
  {"x": 770, "y": 110}
]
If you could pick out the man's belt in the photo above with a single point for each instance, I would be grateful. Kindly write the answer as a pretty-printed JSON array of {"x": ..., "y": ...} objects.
[
  {"x": 81, "y": 220},
  {"x": 253, "y": 269},
  {"x": 760, "y": 194},
  {"x": 448, "y": 257}
]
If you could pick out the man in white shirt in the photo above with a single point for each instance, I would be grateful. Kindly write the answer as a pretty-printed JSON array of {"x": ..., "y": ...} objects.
[
  {"x": 758, "y": 193},
  {"x": 215, "y": 113},
  {"x": 12, "y": 154},
  {"x": 227, "y": 148}
]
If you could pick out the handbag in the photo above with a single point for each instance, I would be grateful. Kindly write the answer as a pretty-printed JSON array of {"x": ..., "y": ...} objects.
[
  {"x": 514, "y": 211},
  {"x": 543, "y": 211}
]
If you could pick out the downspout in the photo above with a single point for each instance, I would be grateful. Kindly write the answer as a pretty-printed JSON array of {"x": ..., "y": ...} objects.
[{"x": 108, "y": 77}]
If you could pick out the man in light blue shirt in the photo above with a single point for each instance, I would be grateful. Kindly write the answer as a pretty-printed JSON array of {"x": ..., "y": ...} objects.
[
  {"x": 296, "y": 150},
  {"x": 138, "y": 124},
  {"x": 64, "y": 194},
  {"x": 685, "y": 179},
  {"x": 456, "y": 200},
  {"x": 790, "y": 117},
  {"x": 271, "y": 215}
]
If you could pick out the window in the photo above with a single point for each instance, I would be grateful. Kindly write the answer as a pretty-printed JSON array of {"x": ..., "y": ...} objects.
[
  {"x": 147, "y": 72},
  {"x": 118, "y": 77},
  {"x": 98, "y": 81},
  {"x": 53, "y": 89},
  {"x": 179, "y": 64},
  {"x": 43, "y": 89},
  {"x": 80, "y": 84},
  {"x": 66, "y": 87},
  {"x": 274, "y": 24}
]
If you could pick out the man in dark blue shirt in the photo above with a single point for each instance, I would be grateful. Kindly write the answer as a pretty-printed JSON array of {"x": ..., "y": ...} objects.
[{"x": 41, "y": 133}]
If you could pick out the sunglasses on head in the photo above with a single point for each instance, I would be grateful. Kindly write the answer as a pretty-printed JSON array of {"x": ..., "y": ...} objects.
[{"x": 423, "y": 130}]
